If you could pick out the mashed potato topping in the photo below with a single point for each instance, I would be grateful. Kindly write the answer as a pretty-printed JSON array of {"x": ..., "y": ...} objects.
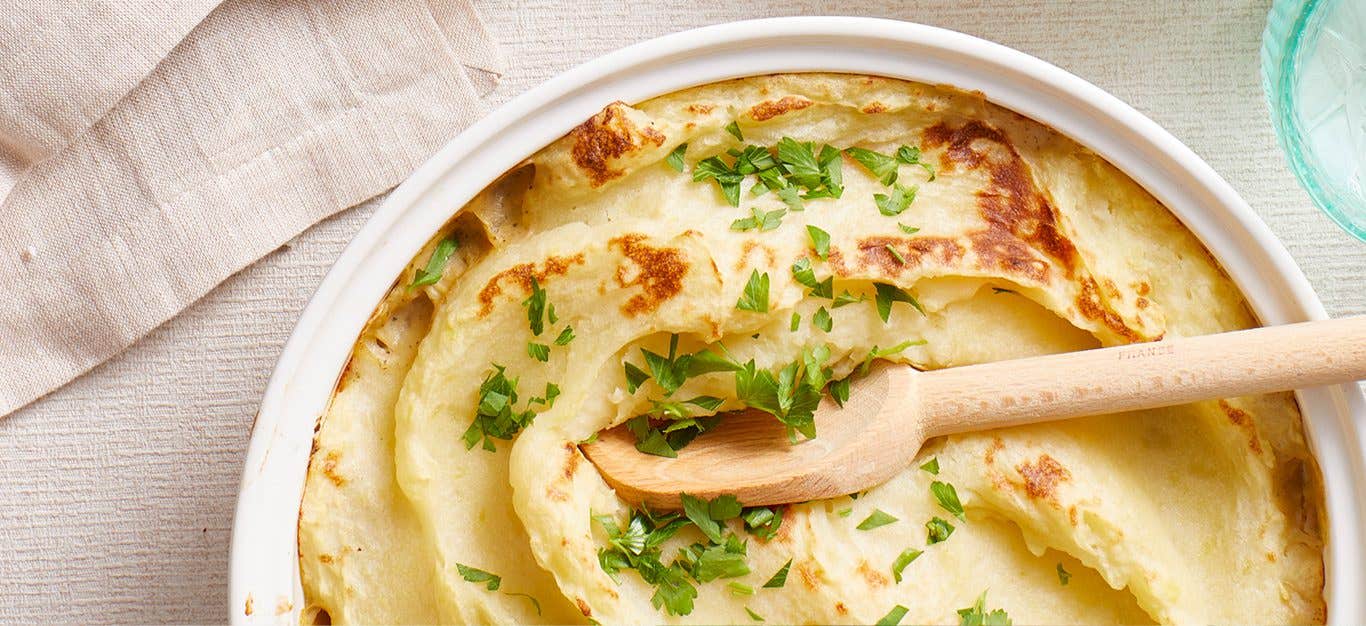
[{"x": 447, "y": 484}]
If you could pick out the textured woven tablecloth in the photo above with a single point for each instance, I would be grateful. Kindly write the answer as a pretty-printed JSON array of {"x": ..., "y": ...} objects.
[{"x": 117, "y": 491}]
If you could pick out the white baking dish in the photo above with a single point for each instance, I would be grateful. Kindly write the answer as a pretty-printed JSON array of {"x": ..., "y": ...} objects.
[{"x": 264, "y": 562}]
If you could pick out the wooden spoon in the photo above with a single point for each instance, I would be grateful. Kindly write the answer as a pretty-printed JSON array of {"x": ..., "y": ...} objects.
[{"x": 894, "y": 409}]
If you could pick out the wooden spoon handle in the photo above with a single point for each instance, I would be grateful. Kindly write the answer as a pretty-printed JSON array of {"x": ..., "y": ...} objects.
[{"x": 1144, "y": 375}]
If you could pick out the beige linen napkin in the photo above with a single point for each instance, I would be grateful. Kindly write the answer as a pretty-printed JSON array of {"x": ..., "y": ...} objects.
[{"x": 151, "y": 148}]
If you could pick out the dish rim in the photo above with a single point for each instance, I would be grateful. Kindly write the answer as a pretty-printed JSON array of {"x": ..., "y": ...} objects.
[{"x": 264, "y": 563}]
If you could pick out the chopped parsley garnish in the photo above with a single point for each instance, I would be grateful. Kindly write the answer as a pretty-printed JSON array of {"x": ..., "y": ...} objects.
[
  {"x": 675, "y": 158},
  {"x": 844, "y": 512},
  {"x": 804, "y": 275},
  {"x": 893, "y": 617},
  {"x": 881, "y": 166},
  {"x": 708, "y": 563},
  {"x": 796, "y": 322},
  {"x": 901, "y": 260},
  {"x": 534, "y": 602},
  {"x": 792, "y": 395},
  {"x": 887, "y": 294},
  {"x": 884, "y": 167},
  {"x": 634, "y": 377},
  {"x": 669, "y": 372},
  {"x": 495, "y": 417},
  {"x": 902, "y": 560},
  {"x": 1063, "y": 576},
  {"x": 780, "y": 578},
  {"x": 931, "y": 466},
  {"x": 909, "y": 230},
  {"x": 948, "y": 498},
  {"x": 566, "y": 336},
  {"x": 538, "y": 351},
  {"x": 848, "y": 298},
  {"x": 762, "y": 522},
  {"x": 475, "y": 575},
  {"x": 977, "y": 615},
  {"x": 755, "y": 297},
  {"x": 822, "y": 320},
  {"x": 754, "y": 616},
  {"x": 791, "y": 169},
  {"x": 910, "y": 155},
  {"x": 895, "y": 203},
  {"x": 762, "y": 220},
  {"x": 706, "y": 514},
  {"x": 726, "y": 178},
  {"x": 938, "y": 529},
  {"x": 679, "y": 431},
  {"x": 436, "y": 265},
  {"x": 820, "y": 241},
  {"x": 638, "y": 547},
  {"x": 734, "y": 129},
  {"x": 839, "y": 390},
  {"x": 877, "y": 519},
  {"x": 535, "y": 308}
]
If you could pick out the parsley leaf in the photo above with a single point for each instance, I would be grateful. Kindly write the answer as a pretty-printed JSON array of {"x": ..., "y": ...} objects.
[
  {"x": 495, "y": 418},
  {"x": 977, "y": 615},
  {"x": 762, "y": 220},
  {"x": 901, "y": 260},
  {"x": 436, "y": 265},
  {"x": 475, "y": 575},
  {"x": 755, "y": 297},
  {"x": 1063, "y": 575},
  {"x": 538, "y": 351},
  {"x": 634, "y": 377},
  {"x": 804, "y": 275},
  {"x": 893, "y": 617},
  {"x": 839, "y": 390},
  {"x": 666, "y": 370},
  {"x": 887, "y": 294},
  {"x": 699, "y": 511},
  {"x": 740, "y": 589},
  {"x": 939, "y": 530},
  {"x": 931, "y": 466},
  {"x": 672, "y": 589},
  {"x": 909, "y": 230},
  {"x": 675, "y": 158},
  {"x": 948, "y": 498},
  {"x": 796, "y": 322},
  {"x": 780, "y": 578},
  {"x": 734, "y": 129},
  {"x": 726, "y": 177},
  {"x": 535, "y": 308},
  {"x": 897, "y": 202},
  {"x": 848, "y": 298},
  {"x": 883, "y": 167},
  {"x": 754, "y": 616},
  {"x": 910, "y": 155},
  {"x": 820, "y": 241},
  {"x": 876, "y": 519},
  {"x": 566, "y": 336},
  {"x": 763, "y": 522},
  {"x": 657, "y": 444},
  {"x": 822, "y": 320},
  {"x": 902, "y": 560},
  {"x": 799, "y": 160}
]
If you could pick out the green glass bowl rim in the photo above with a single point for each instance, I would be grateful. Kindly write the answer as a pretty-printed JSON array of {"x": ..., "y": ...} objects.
[{"x": 1279, "y": 101}]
